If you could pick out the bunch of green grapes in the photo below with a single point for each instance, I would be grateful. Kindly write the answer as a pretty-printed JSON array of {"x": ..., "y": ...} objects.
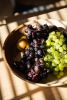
[{"x": 56, "y": 53}]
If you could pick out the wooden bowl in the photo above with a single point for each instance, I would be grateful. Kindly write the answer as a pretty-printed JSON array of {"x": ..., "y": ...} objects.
[{"x": 10, "y": 51}]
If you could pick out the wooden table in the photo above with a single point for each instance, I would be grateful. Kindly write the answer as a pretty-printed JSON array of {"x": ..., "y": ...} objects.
[{"x": 12, "y": 87}]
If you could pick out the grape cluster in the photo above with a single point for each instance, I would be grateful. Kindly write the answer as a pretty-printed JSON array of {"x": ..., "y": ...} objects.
[
  {"x": 32, "y": 63},
  {"x": 56, "y": 53},
  {"x": 35, "y": 52}
]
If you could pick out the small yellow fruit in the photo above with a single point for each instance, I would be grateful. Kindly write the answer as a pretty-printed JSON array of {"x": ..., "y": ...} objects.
[{"x": 22, "y": 44}]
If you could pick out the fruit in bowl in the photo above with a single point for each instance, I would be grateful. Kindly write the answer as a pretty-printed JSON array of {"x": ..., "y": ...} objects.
[{"x": 37, "y": 52}]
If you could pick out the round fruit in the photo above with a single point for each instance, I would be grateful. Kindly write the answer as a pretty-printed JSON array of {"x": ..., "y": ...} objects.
[{"x": 22, "y": 44}]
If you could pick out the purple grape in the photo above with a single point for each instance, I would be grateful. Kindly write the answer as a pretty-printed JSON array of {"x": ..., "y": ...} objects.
[
  {"x": 53, "y": 28},
  {"x": 42, "y": 46},
  {"x": 28, "y": 64},
  {"x": 32, "y": 75},
  {"x": 37, "y": 69},
  {"x": 44, "y": 28},
  {"x": 30, "y": 30},
  {"x": 36, "y": 59},
  {"x": 39, "y": 53},
  {"x": 38, "y": 34},
  {"x": 30, "y": 26},
  {"x": 31, "y": 49},
  {"x": 29, "y": 35},
  {"x": 33, "y": 35},
  {"x": 34, "y": 41},
  {"x": 27, "y": 52},
  {"x": 36, "y": 49},
  {"x": 38, "y": 41},
  {"x": 31, "y": 56},
  {"x": 41, "y": 61},
  {"x": 20, "y": 66},
  {"x": 32, "y": 44},
  {"x": 48, "y": 71}
]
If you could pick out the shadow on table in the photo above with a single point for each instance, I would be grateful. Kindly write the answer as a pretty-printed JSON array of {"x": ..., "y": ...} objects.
[
  {"x": 21, "y": 6},
  {"x": 25, "y": 10},
  {"x": 48, "y": 93}
]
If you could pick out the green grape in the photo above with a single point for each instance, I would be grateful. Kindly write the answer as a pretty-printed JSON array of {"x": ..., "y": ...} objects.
[
  {"x": 62, "y": 37},
  {"x": 57, "y": 46},
  {"x": 49, "y": 65},
  {"x": 49, "y": 50},
  {"x": 52, "y": 43},
  {"x": 61, "y": 67},
  {"x": 56, "y": 54},
  {"x": 64, "y": 47},
  {"x": 54, "y": 64},
  {"x": 54, "y": 38},
  {"x": 60, "y": 42},
  {"x": 62, "y": 60},
  {"x": 50, "y": 57},
  {"x": 60, "y": 49},
  {"x": 65, "y": 60},
  {"x": 65, "y": 56},
  {"x": 52, "y": 49},
  {"x": 57, "y": 41},
  {"x": 58, "y": 34},
  {"x": 56, "y": 69},
  {"x": 45, "y": 58},
  {"x": 56, "y": 61},
  {"x": 48, "y": 42},
  {"x": 52, "y": 33},
  {"x": 64, "y": 53},
  {"x": 57, "y": 58},
  {"x": 50, "y": 37}
]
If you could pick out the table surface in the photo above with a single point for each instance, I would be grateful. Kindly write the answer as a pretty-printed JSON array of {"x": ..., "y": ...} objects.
[{"x": 12, "y": 87}]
